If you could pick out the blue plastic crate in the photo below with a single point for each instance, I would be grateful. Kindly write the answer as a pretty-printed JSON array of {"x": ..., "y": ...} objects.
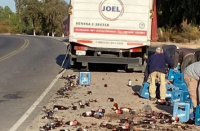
[
  {"x": 181, "y": 86},
  {"x": 171, "y": 75},
  {"x": 168, "y": 95},
  {"x": 182, "y": 111},
  {"x": 144, "y": 91},
  {"x": 176, "y": 96},
  {"x": 171, "y": 86},
  {"x": 84, "y": 78},
  {"x": 186, "y": 98},
  {"x": 178, "y": 78},
  {"x": 197, "y": 116}
]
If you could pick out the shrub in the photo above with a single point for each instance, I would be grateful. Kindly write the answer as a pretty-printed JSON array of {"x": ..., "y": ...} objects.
[
  {"x": 4, "y": 29},
  {"x": 187, "y": 33}
]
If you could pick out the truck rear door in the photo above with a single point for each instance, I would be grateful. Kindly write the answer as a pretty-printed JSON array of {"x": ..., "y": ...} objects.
[{"x": 120, "y": 24}]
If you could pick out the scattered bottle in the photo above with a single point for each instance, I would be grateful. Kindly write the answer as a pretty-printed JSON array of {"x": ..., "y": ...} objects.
[
  {"x": 147, "y": 108},
  {"x": 58, "y": 123},
  {"x": 98, "y": 115},
  {"x": 124, "y": 120},
  {"x": 101, "y": 110},
  {"x": 133, "y": 112},
  {"x": 64, "y": 130},
  {"x": 146, "y": 121},
  {"x": 87, "y": 104},
  {"x": 110, "y": 99},
  {"x": 119, "y": 111},
  {"x": 60, "y": 107},
  {"x": 92, "y": 100},
  {"x": 115, "y": 106},
  {"x": 122, "y": 128},
  {"x": 109, "y": 126},
  {"x": 74, "y": 107},
  {"x": 129, "y": 83},
  {"x": 48, "y": 126},
  {"x": 88, "y": 114},
  {"x": 73, "y": 123},
  {"x": 81, "y": 105},
  {"x": 136, "y": 121},
  {"x": 125, "y": 109},
  {"x": 89, "y": 92}
]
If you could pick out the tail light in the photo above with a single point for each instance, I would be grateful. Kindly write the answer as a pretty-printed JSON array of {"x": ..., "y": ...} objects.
[
  {"x": 136, "y": 49},
  {"x": 80, "y": 48}
]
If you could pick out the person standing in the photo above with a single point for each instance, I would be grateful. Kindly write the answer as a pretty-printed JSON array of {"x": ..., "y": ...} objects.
[
  {"x": 172, "y": 52},
  {"x": 197, "y": 55},
  {"x": 155, "y": 68},
  {"x": 186, "y": 57},
  {"x": 191, "y": 77}
]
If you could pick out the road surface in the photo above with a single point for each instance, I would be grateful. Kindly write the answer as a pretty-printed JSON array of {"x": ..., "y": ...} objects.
[{"x": 27, "y": 66}]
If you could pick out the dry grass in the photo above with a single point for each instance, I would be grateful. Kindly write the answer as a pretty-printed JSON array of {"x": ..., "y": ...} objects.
[{"x": 187, "y": 34}]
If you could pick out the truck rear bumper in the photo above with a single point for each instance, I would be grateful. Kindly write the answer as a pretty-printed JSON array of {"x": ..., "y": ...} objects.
[{"x": 132, "y": 63}]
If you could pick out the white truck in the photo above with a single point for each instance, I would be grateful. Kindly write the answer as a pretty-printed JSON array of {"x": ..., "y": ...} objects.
[{"x": 110, "y": 32}]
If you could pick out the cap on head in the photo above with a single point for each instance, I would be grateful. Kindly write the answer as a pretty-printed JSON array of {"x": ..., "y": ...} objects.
[{"x": 158, "y": 50}]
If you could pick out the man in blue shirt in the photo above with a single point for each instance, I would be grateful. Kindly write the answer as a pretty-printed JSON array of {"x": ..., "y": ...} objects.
[{"x": 156, "y": 69}]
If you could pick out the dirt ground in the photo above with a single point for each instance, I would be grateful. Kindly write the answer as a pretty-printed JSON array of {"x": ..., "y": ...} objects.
[{"x": 116, "y": 88}]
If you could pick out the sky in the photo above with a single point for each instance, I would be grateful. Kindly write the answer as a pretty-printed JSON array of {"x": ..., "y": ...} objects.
[{"x": 11, "y": 4}]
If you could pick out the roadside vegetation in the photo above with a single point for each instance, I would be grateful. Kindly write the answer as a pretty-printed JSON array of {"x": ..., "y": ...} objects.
[
  {"x": 178, "y": 21},
  {"x": 34, "y": 17}
]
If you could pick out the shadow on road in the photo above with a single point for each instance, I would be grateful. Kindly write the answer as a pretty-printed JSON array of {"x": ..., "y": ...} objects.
[
  {"x": 61, "y": 58},
  {"x": 136, "y": 88},
  {"x": 168, "y": 109},
  {"x": 106, "y": 68},
  {"x": 66, "y": 40}
]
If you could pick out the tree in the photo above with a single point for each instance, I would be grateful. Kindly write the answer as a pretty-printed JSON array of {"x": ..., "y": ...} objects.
[
  {"x": 55, "y": 14},
  {"x": 31, "y": 13}
]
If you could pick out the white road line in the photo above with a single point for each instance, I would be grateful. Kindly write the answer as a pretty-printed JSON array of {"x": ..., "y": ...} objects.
[{"x": 31, "y": 109}]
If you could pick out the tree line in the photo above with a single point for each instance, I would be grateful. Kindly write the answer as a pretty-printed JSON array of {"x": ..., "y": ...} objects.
[
  {"x": 176, "y": 18},
  {"x": 34, "y": 17}
]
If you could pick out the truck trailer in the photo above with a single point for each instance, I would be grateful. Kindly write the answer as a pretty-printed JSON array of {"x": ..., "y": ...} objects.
[{"x": 109, "y": 32}]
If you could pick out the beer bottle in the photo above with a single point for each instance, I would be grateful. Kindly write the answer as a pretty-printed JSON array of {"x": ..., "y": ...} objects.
[
  {"x": 88, "y": 113},
  {"x": 60, "y": 107},
  {"x": 101, "y": 110},
  {"x": 73, "y": 123},
  {"x": 110, "y": 99},
  {"x": 129, "y": 83},
  {"x": 81, "y": 105},
  {"x": 125, "y": 109},
  {"x": 115, "y": 106},
  {"x": 98, "y": 115},
  {"x": 119, "y": 111}
]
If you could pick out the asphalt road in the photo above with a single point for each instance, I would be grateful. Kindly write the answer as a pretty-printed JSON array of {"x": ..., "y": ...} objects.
[{"x": 28, "y": 65}]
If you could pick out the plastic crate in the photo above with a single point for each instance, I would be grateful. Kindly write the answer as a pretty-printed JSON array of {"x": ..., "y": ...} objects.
[
  {"x": 84, "y": 78},
  {"x": 144, "y": 91},
  {"x": 176, "y": 96},
  {"x": 178, "y": 78},
  {"x": 186, "y": 98},
  {"x": 171, "y": 75},
  {"x": 181, "y": 86},
  {"x": 197, "y": 116},
  {"x": 182, "y": 111}
]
